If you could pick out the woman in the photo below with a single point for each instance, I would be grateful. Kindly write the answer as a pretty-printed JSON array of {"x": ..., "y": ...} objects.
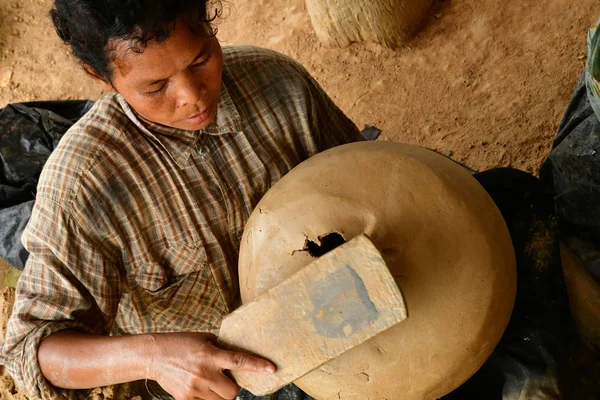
[{"x": 139, "y": 210}]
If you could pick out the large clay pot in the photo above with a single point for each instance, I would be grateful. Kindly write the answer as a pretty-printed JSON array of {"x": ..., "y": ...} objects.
[
  {"x": 584, "y": 295},
  {"x": 391, "y": 23},
  {"x": 443, "y": 239}
]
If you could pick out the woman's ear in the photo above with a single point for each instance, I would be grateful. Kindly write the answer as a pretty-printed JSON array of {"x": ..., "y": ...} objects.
[{"x": 104, "y": 83}]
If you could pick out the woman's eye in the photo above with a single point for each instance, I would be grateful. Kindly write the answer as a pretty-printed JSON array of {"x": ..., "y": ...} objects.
[
  {"x": 156, "y": 92},
  {"x": 204, "y": 62}
]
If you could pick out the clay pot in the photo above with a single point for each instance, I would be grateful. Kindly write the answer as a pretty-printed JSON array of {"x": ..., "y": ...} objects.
[
  {"x": 391, "y": 23},
  {"x": 440, "y": 234},
  {"x": 584, "y": 296}
]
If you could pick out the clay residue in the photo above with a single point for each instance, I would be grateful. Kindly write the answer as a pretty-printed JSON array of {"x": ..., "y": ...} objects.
[
  {"x": 8, "y": 389},
  {"x": 541, "y": 244},
  {"x": 7, "y": 299},
  {"x": 126, "y": 391}
]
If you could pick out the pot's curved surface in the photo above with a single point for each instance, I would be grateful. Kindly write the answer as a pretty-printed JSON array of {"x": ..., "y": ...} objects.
[{"x": 443, "y": 239}]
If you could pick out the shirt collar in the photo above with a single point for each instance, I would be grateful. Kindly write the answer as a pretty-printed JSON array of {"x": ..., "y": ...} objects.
[{"x": 179, "y": 143}]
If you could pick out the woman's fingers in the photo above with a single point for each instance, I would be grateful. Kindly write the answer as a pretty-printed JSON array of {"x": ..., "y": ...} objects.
[
  {"x": 210, "y": 395},
  {"x": 224, "y": 387},
  {"x": 236, "y": 361}
]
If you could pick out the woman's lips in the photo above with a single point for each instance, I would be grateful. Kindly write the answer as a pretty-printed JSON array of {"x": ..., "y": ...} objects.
[{"x": 199, "y": 118}]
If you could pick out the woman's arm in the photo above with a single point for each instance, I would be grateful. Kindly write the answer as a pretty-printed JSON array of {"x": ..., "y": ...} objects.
[{"x": 187, "y": 365}]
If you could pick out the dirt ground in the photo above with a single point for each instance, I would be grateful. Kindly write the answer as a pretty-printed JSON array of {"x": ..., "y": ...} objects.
[{"x": 486, "y": 82}]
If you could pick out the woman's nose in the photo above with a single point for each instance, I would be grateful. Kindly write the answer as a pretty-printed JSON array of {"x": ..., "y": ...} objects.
[{"x": 191, "y": 89}]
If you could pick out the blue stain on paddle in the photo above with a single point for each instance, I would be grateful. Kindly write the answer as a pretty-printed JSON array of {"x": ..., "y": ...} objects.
[{"x": 341, "y": 304}]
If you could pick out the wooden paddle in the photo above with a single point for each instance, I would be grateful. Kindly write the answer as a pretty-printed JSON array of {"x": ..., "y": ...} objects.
[{"x": 337, "y": 302}]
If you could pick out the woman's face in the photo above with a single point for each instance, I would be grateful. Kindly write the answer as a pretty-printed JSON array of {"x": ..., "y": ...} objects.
[{"x": 174, "y": 83}]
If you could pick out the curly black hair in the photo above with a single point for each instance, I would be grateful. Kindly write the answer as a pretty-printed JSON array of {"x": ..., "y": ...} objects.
[{"x": 90, "y": 27}]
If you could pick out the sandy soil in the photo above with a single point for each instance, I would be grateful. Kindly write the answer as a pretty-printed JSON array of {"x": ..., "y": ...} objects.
[{"x": 486, "y": 82}]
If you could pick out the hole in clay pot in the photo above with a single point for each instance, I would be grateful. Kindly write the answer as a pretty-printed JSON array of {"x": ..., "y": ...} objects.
[{"x": 328, "y": 243}]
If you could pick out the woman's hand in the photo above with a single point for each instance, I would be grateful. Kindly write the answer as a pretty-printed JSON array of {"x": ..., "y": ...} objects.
[
  {"x": 187, "y": 365},
  {"x": 191, "y": 366}
]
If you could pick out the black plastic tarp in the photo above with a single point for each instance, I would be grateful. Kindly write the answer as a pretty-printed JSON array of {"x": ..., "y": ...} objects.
[
  {"x": 572, "y": 173},
  {"x": 29, "y": 132}
]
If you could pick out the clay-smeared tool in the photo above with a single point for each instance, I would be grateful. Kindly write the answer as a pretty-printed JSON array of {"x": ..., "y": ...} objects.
[{"x": 335, "y": 303}]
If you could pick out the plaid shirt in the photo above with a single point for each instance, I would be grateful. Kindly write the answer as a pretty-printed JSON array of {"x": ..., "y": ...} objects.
[{"x": 136, "y": 226}]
